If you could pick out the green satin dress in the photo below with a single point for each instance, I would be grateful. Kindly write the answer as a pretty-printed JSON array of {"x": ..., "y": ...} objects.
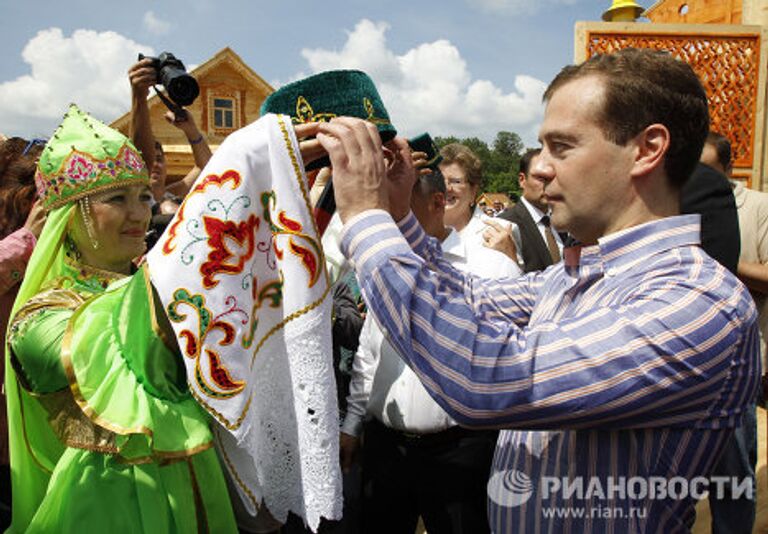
[{"x": 135, "y": 451}]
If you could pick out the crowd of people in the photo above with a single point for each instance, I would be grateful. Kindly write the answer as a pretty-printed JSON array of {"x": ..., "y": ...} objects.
[{"x": 609, "y": 327}]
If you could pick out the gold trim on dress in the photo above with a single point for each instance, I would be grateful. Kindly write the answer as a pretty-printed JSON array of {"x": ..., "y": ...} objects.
[
  {"x": 69, "y": 299},
  {"x": 165, "y": 457},
  {"x": 88, "y": 410},
  {"x": 93, "y": 415}
]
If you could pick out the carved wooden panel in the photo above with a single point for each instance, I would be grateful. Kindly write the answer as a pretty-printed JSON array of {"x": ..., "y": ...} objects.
[{"x": 729, "y": 68}]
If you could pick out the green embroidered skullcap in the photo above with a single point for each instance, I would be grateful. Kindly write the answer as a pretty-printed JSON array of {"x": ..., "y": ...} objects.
[
  {"x": 83, "y": 157},
  {"x": 424, "y": 143},
  {"x": 336, "y": 93}
]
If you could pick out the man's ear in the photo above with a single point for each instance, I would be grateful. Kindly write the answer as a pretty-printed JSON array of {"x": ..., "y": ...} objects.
[
  {"x": 652, "y": 145},
  {"x": 521, "y": 179},
  {"x": 438, "y": 200}
]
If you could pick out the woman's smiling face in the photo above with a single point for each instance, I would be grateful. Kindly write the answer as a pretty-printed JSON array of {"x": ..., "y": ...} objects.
[
  {"x": 459, "y": 197},
  {"x": 120, "y": 218}
]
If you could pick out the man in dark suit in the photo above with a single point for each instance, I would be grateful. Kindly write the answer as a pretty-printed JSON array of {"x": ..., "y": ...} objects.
[
  {"x": 709, "y": 193},
  {"x": 541, "y": 244}
]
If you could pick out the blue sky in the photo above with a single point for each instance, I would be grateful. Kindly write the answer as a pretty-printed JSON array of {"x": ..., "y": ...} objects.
[{"x": 467, "y": 67}]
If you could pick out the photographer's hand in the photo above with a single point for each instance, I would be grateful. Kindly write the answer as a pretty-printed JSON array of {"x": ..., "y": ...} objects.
[{"x": 142, "y": 76}]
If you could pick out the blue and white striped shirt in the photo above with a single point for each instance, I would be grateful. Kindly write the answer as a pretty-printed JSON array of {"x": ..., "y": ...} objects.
[{"x": 636, "y": 362}]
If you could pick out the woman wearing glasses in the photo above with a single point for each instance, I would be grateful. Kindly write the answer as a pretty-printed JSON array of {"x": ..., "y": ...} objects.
[{"x": 462, "y": 170}]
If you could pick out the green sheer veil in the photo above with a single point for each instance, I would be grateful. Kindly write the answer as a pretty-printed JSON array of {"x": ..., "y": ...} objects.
[{"x": 34, "y": 447}]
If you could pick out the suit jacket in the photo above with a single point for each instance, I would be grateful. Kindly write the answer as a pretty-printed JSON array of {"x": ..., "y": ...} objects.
[
  {"x": 709, "y": 193},
  {"x": 535, "y": 252}
]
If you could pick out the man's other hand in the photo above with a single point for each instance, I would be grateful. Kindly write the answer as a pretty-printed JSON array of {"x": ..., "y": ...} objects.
[
  {"x": 401, "y": 175},
  {"x": 348, "y": 447}
]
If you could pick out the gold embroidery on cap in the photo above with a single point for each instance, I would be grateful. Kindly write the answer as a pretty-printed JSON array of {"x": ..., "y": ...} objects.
[{"x": 305, "y": 113}]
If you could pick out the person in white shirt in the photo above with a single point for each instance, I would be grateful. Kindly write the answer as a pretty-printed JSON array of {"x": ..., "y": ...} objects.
[{"x": 416, "y": 460}]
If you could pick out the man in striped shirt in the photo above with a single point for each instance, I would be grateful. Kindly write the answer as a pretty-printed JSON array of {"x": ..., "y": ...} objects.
[{"x": 617, "y": 375}]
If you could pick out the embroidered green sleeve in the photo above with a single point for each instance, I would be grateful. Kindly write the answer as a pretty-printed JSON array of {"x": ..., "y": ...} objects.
[{"x": 36, "y": 344}]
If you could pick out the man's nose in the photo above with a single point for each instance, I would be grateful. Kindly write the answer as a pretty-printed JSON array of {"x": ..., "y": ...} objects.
[{"x": 543, "y": 170}]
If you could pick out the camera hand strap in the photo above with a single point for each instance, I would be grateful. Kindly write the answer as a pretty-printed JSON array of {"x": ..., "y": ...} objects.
[{"x": 179, "y": 112}]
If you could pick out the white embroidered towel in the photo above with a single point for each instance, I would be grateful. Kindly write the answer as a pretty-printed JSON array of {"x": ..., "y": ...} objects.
[{"x": 241, "y": 274}]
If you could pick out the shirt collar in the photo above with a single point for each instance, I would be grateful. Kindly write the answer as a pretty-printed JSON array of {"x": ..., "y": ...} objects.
[
  {"x": 536, "y": 213},
  {"x": 739, "y": 193},
  {"x": 624, "y": 249},
  {"x": 453, "y": 244}
]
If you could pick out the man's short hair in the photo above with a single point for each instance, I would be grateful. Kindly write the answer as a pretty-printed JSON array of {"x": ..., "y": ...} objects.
[
  {"x": 644, "y": 87},
  {"x": 431, "y": 183},
  {"x": 525, "y": 160},
  {"x": 466, "y": 159},
  {"x": 722, "y": 148}
]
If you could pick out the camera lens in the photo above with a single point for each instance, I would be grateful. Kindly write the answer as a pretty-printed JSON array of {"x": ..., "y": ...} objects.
[{"x": 183, "y": 89}]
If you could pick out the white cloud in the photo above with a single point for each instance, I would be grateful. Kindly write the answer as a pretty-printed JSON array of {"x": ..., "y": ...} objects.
[
  {"x": 517, "y": 7},
  {"x": 155, "y": 25},
  {"x": 429, "y": 88},
  {"x": 89, "y": 68}
]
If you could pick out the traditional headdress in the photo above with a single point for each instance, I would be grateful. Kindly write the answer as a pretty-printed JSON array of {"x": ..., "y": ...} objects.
[
  {"x": 424, "y": 143},
  {"x": 85, "y": 156},
  {"x": 336, "y": 93}
]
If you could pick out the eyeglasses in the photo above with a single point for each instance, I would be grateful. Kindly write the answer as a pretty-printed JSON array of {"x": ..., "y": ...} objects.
[
  {"x": 33, "y": 142},
  {"x": 456, "y": 181}
]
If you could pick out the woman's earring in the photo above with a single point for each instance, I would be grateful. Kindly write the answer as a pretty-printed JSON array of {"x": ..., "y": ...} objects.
[{"x": 85, "y": 209}]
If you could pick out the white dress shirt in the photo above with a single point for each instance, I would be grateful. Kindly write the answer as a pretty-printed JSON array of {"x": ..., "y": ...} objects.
[
  {"x": 382, "y": 385},
  {"x": 335, "y": 261}
]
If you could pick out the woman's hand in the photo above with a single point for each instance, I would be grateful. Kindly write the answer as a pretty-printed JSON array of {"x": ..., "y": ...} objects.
[{"x": 498, "y": 237}]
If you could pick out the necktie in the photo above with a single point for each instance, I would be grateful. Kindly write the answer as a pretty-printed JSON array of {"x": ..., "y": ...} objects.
[{"x": 554, "y": 251}]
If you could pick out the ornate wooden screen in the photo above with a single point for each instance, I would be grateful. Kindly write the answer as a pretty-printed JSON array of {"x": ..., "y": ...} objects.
[{"x": 728, "y": 60}]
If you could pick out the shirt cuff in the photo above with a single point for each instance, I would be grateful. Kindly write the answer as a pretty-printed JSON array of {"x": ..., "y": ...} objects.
[
  {"x": 370, "y": 238},
  {"x": 352, "y": 425}
]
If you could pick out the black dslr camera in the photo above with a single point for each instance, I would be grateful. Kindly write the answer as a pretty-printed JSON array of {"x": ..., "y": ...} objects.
[{"x": 181, "y": 87}]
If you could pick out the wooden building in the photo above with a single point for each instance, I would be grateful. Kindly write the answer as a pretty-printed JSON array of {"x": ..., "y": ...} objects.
[
  {"x": 231, "y": 94},
  {"x": 495, "y": 200},
  {"x": 696, "y": 11}
]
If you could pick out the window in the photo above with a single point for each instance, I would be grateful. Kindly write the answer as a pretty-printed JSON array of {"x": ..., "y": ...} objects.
[{"x": 224, "y": 113}]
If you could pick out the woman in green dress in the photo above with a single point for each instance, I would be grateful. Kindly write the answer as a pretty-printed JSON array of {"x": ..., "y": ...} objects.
[{"x": 104, "y": 433}]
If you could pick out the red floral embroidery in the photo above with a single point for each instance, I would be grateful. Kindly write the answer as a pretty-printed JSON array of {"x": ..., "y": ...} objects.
[
  {"x": 290, "y": 224},
  {"x": 308, "y": 259},
  {"x": 242, "y": 233},
  {"x": 131, "y": 159},
  {"x": 218, "y": 181},
  {"x": 220, "y": 374},
  {"x": 211, "y": 179},
  {"x": 79, "y": 167}
]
